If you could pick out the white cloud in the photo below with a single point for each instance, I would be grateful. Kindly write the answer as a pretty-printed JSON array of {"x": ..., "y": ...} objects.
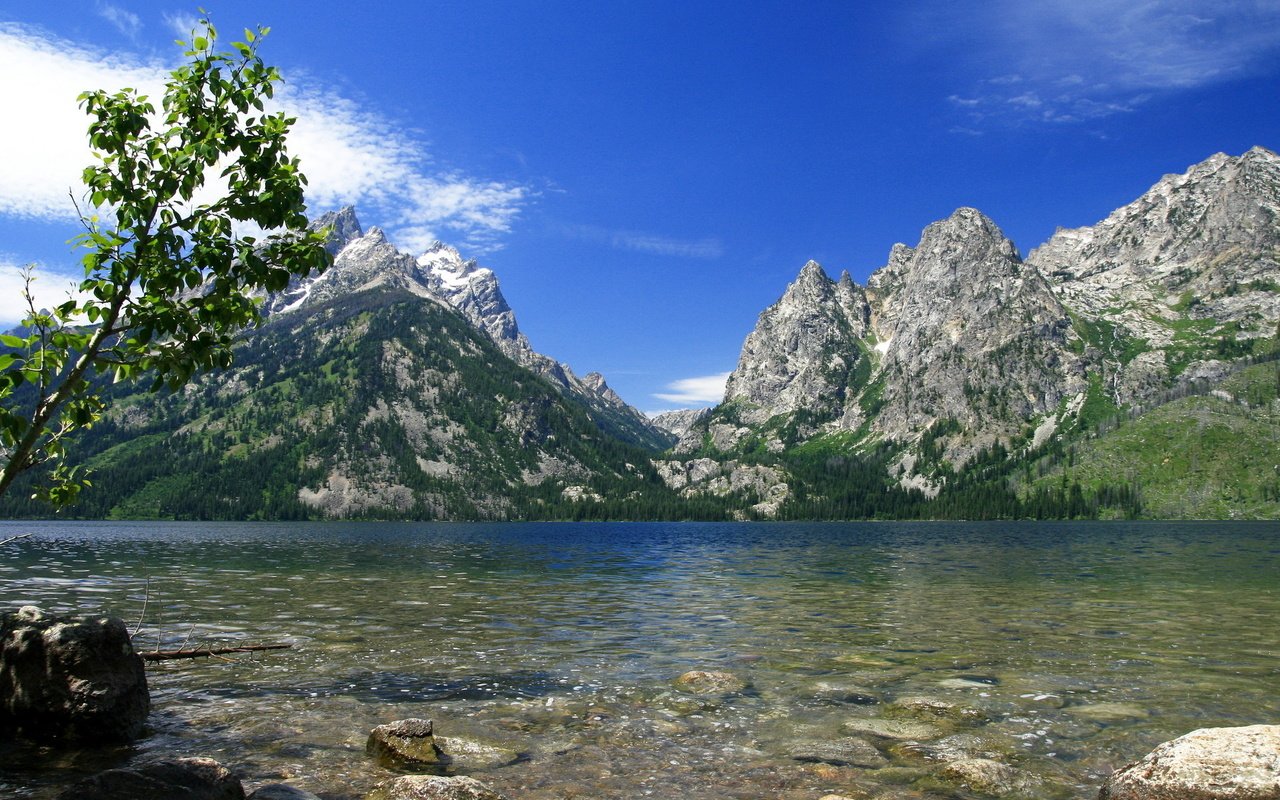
[
  {"x": 1060, "y": 61},
  {"x": 124, "y": 21},
  {"x": 706, "y": 248},
  {"x": 701, "y": 391},
  {"x": 350, "y": 154},
  {"x": 182, "y": 24},
  {"x": 49, "y": 289}
]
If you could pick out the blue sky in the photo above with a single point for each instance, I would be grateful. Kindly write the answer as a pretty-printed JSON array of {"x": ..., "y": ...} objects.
[{"x": 646, "y": 177}]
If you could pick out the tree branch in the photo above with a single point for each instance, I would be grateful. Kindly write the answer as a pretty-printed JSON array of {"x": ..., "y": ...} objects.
[{"x": 171, "y": 655}]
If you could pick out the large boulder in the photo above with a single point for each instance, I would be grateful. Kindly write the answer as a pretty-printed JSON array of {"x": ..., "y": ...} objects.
[
  {"x": 170, "y": 779},
  {"x": 1207, "y": 764},
  {"x": 68, "y": 680},
  {"x": 433, "y": 787}
]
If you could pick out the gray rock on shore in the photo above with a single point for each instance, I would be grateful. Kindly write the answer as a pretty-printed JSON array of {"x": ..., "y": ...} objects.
[
  {"x": 66, "y": 681},
  {"x": 405, "y": 743},
  {"x": 1206, "y": 764}
]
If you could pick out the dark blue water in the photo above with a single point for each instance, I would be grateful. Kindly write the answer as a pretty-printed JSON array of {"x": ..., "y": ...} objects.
[{"x": 1063, "y": 649}]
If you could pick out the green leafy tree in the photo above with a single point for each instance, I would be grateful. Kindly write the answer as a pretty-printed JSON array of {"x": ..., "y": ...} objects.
[{"x": 170, "y": 272}]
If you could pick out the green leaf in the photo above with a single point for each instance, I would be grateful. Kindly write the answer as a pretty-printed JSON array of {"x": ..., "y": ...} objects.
[{"x": 9, "y": 340}]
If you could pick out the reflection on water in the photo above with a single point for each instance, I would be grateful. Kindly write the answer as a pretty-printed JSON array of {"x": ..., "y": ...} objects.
[{"x": 1065, "y": 650}]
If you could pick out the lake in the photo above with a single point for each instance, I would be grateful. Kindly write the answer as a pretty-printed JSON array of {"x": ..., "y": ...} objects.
[{"x": 1063, "y": 649}]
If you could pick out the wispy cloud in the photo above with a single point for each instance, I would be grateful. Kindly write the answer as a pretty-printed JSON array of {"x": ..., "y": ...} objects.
[
  {"x": 182, "y": 24},
  {"x": 351, "y": 154},
  {"x": 127, "y": 22},
  {"x": 692, "y": 392},
  {"x": 48, "y": 289},
  {"x": 1071, "y": 61},
  {"x": 706, "y": 248}
]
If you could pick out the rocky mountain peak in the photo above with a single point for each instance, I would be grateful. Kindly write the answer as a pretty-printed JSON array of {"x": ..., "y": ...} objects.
[
  {"x": 344, "y": 225},
  {"x": 802, "y": 348},
  {"x": 595, "y": 383},
  {"x": 966, "y": 237},
  {"x": 1203, "y": 243}
]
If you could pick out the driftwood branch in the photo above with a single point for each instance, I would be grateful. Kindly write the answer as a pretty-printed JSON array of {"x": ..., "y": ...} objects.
[
  {"x": 171, "y": 655},
  {"x": 15, "y": 538}
]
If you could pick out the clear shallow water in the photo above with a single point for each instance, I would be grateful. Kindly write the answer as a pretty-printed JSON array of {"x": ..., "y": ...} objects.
[{"x": 1067, "y": 649}]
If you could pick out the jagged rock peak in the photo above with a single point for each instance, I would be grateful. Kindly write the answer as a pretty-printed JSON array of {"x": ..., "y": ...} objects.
[
  {"x": 595, "y": 381},
  {"x": 962, "y": 232},
  {"x": 801, "y": 348},
  {"x": 1222, "y": 202},
  {"x": 345, "y": 228},
  {"x": 811, "y": 285}
]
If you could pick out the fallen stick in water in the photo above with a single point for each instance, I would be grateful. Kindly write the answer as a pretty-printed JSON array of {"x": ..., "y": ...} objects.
[{"x": 170, "y": 655}]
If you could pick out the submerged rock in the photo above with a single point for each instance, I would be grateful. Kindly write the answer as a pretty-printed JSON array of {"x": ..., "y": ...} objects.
[
  {"x": 1109, "y": 712},
  {"x": 405, "y": 743},
  {"x": 927, "y": 708},
  {"x": 848, "y": 751},
  {"x": 471, "y": 755},
  {"x": 989, "y": 777},
  {"x": 710, "y": 682},
  {"x": 186, "y": 778},
  {"x": 70, "y": 680},
  {"x": 890, "y": 728},
  {"x": 1206, "y": 764},
  {"x": 958, "y": 747},
  {"x": 433, "y": 787},
  {"x": 281, "y": 791}
]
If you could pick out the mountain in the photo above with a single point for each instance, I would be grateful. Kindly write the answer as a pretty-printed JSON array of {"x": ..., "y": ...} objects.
[
  {"x": 960, "y": 359},
  {"x": 390, "y": 386},
  {"x": 365, "y": 260},
  {"x": 1187, "y": 272},
  {"x": 1129, "y": 368}
]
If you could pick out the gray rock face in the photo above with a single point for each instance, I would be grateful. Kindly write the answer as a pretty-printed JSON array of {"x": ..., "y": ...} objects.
[
  {"x": 961, "y": 333},
  {"x": 187, "y": 778},
  {"x": 957, "y": 329},
  {"x": 679, "y": 423},
  {"x": 803, "y": 350},
  {"x": 344, "y": 228},
  {"x": 1196, "y": 258},
  {"x": 968, "y": 333},
  {"x": 706, "y": 476},
  {"x": 433, "y": 787},
  {"x": 70, "y": 681},
  {"x": 1207, "y": 764}
]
